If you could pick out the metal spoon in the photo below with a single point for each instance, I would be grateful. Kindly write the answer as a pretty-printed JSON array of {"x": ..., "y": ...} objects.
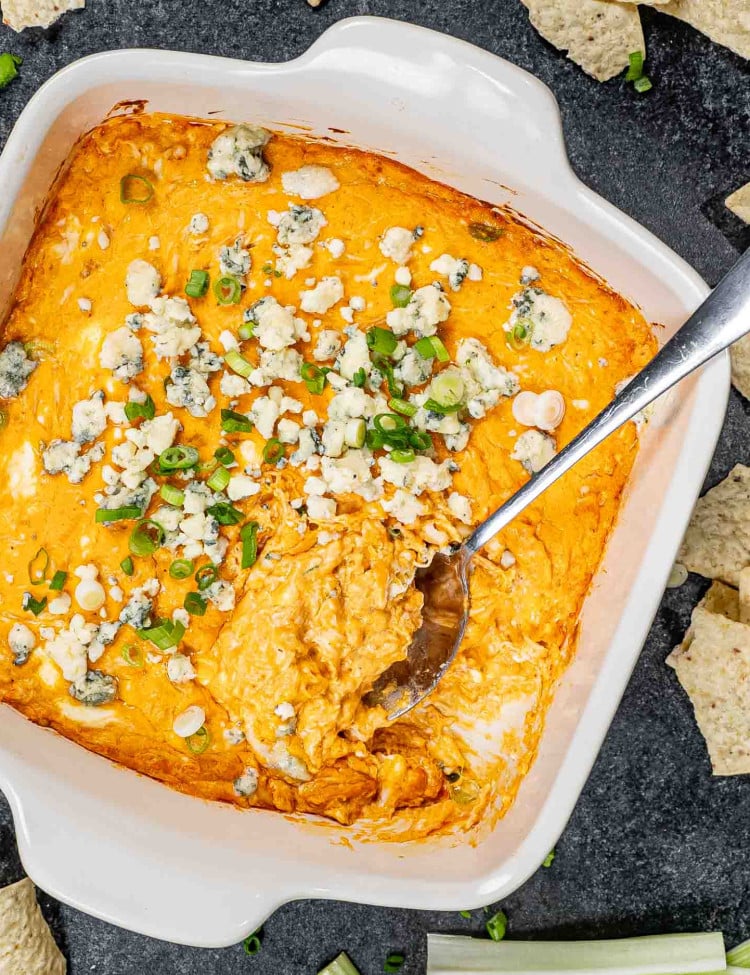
[{"x": 723, "y": 318}]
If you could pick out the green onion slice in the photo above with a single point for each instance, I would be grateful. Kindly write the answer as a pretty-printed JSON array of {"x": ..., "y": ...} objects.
[
  {"x": 432, "y": 348},
  {"x": 172, "y": 495},
  {"x": 643, "y": 84},
  {"x": 249, "y": 536},
  {"x": 446, "y": 393},
  {"x": 519, "y": 336},
  {"x": 58, "y": 581},
  {"x": 197, "y": 284},
  {"x": 420, "y": 440},
  {"x": 497, "y": 926},
  {"x": 8, "y": 68},
  {"x": 238, "y": 363},
  {"x": 246, "y": 331},
  {"x": 132, "y": 654},
  {"x": 178, "y": 458},
  {"x": 126, "y": 513},
  {"x": 393, "y": 962},
  {"x": 402, "y": 406},
  {"x": 146, "y": 537},
  {"x": 127, "y": 566},
  {"x": 549, "y": 859},
  {"x": 341, "y": 965},
  {"x": 382, "y": 365},
  {"x": 485, "y": 232},
  {"x": 199, "y": 742},
  {"x": 164, "y": 635},
  {"x": 359, "y": 378},
  {"x": 273, "y": 451},
  {"x": 635, "y": 71},
  {"x": 34, "y": 606},
  {"x": 400, "y": 295},
  {"x": 314, "y": 377},
  {"x": 227, "y": 290},
  {"x": 146, "y": 410},
  {"x": 219, "y": 479},
  {"x": 206, "y": 576},
  {"x": 402, "y": 456},
  {"x": 195, "y": 604},
  {"x": 224, "y": 456},
  {"x": 252, "y": 943},
  {"x": 382, "y": 341},
  {"x": 232, "y": 422},
  {"x": 225, "y": 513},
  {"x": 181, "y": 568},
  {"x": 389, "y": 423},
  {"x": 466, "y": 914},
  {"x": 135, "y": 189},
  {"x": 374, "y": 439},
  {"x": 355, "y": 432},
  {"x": 38, "y": 567}
]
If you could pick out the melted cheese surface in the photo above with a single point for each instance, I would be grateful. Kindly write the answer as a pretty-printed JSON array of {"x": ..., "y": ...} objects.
[{"x": 327, "y": 606}]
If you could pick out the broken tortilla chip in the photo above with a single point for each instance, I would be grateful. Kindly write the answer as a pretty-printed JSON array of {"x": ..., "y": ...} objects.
[
  {"x": 739, "y": 201},
  {"x": 717, "y": 541},
  {"x": 26, "y": 943},
  {"x": 740, "y": 356},
  {"x": 725, "y": 21},
  {"x": 19, "y": 14},
  {"x": 599, "y": 35},
  {"x": 713, "y": 667}
]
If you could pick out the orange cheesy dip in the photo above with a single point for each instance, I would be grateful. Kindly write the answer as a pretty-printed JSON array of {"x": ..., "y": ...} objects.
[{"x": 250, "y": 384}]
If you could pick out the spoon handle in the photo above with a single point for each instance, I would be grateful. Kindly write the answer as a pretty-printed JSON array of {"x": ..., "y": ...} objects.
[{"x": 723, "y": 318}]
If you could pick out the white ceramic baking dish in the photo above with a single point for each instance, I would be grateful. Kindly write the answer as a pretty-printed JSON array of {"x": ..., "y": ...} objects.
[{"x": 137, "y": 854}]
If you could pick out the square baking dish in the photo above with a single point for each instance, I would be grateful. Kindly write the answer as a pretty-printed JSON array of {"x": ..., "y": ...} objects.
[{"x": 129, "y": 850}]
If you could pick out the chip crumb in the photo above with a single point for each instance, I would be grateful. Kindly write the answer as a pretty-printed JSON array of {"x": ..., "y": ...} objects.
[
  {"x": 739, "y": 202},
  {"x": 19, "y": 14}
]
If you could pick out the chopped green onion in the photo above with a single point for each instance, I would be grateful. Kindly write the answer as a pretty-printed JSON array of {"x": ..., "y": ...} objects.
[
  {"x": 389, "y": 423},
  {"x": 273, "y": 451},
  {"x": 420, "y": 440},
  {"x": 341, "y": 965},
  {"x": 199, "y": 742},
  {"x": 219, "y": 479},
  {"x": 497, "y": 925},
  {"x": 359, "y": 378},
  {"x": 519, "y": 336},
  {"x": 432, "y": 348},
  {"x": 232, "y": 422},
  {"x": 8, "y": 68},
  {"x": 447, "y": 390},
  {"x": 164, "y": 635},
  {"x": 374, "y": 439},
  {"x": 313, "y": 377},
  {"x": 58, "y": 581},
  {"x": 132, "y": 654},
  {"x": 393, "y": 962},
  {"x": 355, "y": 432},
  {"x": 178, "y": 458},
  {"x": 382, "y": 365},
  {"x": 402, "y": 456},
  {"x": 134, "y": 411},
  {"x": 740, "y": 955},
  {"x": 224, "y": 456},
  {"x": 666, "y": 954},
  {"x": 635, "y": 71},
  {"x": 135, "y": 189},
  {"x": 181, "y": 568},
  {"x": 127, "y": 565},
  {"x": 126, "y": 513},
  {"x": 382, "y": 341},
  {"x": 238, "y": 363},
  {"x": 197, "y": 284},
  {"x": 38, "y": 567},
  {"x": 246, "y": 331},
  {"x": 146, "y": 537},
  {"x": 466, "y": 914},
  {"x": 548, "y": 860},
  {"x": 225, "y": 513},
  {"x": 643, "y": 84},
  {"x": 433, "y": 406},
  {"x": 34, "y": 606},
  {"x": 485, "y": 232},
  {"x": 400, "y": 295},
  {"x": 206, "y": 576},
  {"x": 195, "y": 604},
  {"x": 252, "y": 943},
  {"x": 249, "y": 536},
  {"x": 227, "y": 290},
  {"x": 402, "y": 406},
  {"x": 172, "y": 495}
]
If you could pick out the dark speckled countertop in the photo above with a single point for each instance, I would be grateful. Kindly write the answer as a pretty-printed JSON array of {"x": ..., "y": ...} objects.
[{"x": 655, "y": 844}]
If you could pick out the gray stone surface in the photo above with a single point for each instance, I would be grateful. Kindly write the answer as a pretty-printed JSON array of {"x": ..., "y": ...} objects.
[{"x": 655, "y": 844}]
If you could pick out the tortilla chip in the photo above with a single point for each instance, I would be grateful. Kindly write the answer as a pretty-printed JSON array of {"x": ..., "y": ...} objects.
[
  {"x": 36, "y": 13},
  {"x": 26, "y": 943},
  {"x": 597, "y": 34},
  {"x": 725, "y": 21},
  {"x": 740, "y": 356},
  {"x": 739, "y": 201},
  {"x": 717, "y": 541},
  {"x": 744, "y": 597},
  {"x": 714, "y": 670}
]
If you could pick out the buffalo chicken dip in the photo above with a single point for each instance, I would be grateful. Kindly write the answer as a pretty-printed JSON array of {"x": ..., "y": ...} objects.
[{"x": 250, "y": 384}]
